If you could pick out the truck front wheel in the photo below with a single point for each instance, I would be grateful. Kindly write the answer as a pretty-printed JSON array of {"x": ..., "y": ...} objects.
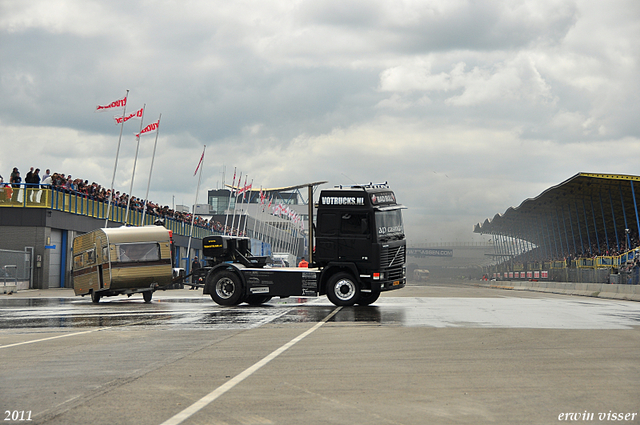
[
  {"x": 343, "y": 289},
  {"x": 226, "y": 288},
  {"x": 367, "y": 298},
  {"x": 256, "y": 300}
]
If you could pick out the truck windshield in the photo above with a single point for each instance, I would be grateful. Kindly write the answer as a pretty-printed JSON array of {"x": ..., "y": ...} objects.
[{"x": 389, "y": 224}]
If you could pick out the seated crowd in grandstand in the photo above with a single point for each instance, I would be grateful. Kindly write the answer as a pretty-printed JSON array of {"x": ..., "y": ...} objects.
[
  {"x": 594, "y": 251},
  {"x": 96, "y": 192}
]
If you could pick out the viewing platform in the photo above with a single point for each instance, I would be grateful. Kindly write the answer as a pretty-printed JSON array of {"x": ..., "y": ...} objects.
[{"x": 80, "y": 204}]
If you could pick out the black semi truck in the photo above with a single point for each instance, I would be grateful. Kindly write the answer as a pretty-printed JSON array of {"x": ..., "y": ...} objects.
[{"x": 360, "y": 251}]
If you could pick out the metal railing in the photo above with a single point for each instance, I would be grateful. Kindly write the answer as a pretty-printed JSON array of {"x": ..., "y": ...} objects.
[{"x": 36, "y": 196}]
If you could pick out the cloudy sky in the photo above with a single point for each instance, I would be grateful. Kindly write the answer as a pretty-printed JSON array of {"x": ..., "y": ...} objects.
[{"x": 465, "y": 107}]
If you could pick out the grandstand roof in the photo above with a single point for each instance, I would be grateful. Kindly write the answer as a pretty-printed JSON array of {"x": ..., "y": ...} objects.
[{"x": 574, "y": 207}]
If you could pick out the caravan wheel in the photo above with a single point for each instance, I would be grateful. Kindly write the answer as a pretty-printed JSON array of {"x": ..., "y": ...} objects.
[
  {"x": 146, "y": 295},
  {"x": 95, "y": 297}
]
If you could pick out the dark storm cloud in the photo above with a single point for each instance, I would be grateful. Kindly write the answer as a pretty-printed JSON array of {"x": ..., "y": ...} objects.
[{"x": 438, "y": 26}]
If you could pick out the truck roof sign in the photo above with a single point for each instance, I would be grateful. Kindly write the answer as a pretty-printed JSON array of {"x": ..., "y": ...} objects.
[
  {"x": 384, "y": 198},
  {"x": 357, "y": 197},
  {"x": 342, "y": 200}
]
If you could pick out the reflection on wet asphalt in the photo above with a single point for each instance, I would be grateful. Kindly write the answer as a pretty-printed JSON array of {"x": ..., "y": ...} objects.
[
  {"x": 186, "y": 313},
  {"x": 202, "y": 313}
]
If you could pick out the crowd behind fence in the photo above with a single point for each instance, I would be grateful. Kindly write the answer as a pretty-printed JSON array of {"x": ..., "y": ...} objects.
[{"x": 71, "y": 201}]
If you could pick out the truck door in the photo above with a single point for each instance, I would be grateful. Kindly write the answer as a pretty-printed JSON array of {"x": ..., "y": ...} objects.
[{"x": 354, "y": 242}]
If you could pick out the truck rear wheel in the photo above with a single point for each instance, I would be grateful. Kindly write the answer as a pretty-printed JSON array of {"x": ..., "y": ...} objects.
[
  {"x": 343, "y": 289},
  {"x": 367, "y": 298},
  {"x": 226, "y": 288}
]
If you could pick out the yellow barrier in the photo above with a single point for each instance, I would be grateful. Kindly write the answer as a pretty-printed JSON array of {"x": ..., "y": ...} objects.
[{"x": 82, "y": 205}]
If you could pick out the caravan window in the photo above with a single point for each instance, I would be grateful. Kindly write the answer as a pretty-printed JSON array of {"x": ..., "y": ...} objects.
[
  {"x": 91, "y": 257},
  {"x": 136, "y": 252},
  {"x": 77, "y": 262}
]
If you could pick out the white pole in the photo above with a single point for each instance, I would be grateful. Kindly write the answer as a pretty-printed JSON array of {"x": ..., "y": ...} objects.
[
  {"x": 133, "y": 173},
  {"x": 269, "y": 231},
  {"x": 193, "y": 213},
  {"x": 115, "y": 166},
  {"x": 244, "y": 196},
  {"x": 153, "y": 157},
  {"x": 261, "y": 224},
  {"x": 235, "y": 205},
  {"x": 246, "y": 215},
  {"x": 290, "y": 237},
  {"x": 229, "y": 206}
]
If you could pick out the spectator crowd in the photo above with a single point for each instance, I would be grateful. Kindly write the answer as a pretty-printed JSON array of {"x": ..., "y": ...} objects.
[{"x": 9, "y": 192}]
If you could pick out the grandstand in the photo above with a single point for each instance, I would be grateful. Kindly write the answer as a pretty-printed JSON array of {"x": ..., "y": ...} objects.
[{"x": 584, "y": 229}]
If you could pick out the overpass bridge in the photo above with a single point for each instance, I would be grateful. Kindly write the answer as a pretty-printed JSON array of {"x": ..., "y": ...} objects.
[{"x": 450, "y": 255}]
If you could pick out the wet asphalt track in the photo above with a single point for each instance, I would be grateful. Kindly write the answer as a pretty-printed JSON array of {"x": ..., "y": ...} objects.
[{"x": 430, "y": 354}]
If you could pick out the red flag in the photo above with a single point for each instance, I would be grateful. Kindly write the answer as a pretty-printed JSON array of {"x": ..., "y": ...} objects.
[
  {"x": 137, "y": 115},
  {"x": 116, "y": 104},
  {"x": 149, "y": 129},
  {"x": 244, "y": 189},
  {"x": 236, "y": 189},
  {"x": 199, "y": 163}
]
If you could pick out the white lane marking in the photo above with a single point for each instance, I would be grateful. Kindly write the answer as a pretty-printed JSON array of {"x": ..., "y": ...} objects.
[
  {"x": 213, "y": 395},
  {"x": 53, "y": 337}
]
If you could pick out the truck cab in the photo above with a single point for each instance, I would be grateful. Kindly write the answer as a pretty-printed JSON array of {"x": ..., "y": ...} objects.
[{"x": 360, "y": 231}]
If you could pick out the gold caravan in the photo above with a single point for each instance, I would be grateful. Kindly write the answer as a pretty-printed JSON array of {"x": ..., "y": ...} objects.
[{"x": 122, "y": 260}]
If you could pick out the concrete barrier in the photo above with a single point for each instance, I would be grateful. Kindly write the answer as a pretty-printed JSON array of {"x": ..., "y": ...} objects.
[{"x": 600, "y": 290}]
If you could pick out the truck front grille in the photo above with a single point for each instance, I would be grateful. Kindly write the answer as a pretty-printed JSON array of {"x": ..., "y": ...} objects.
[
  {"x": 392, "y": 256},
  {"x": 395, "y": 273}
]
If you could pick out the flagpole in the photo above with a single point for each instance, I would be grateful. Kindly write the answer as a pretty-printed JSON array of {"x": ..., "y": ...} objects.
[
  {"x": 244, "y": 197},
  {"x": 226, "y": 217},
  {"x": 135, "y": 160},
  {"x": 193, "y": 213},
  {"x": 271, "y": 230},
  {"x": 259, "y": 215},
  {"x": 153, "y": 157},
  {"x": 235, "y": 205},
  {"x": 262, "y": 220},
  {"x": 115, "y": 166},
  {"x": 276, "y": 230},
  {"x": 246, "y": 213},
  {"x": 290, "y": 237}
]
